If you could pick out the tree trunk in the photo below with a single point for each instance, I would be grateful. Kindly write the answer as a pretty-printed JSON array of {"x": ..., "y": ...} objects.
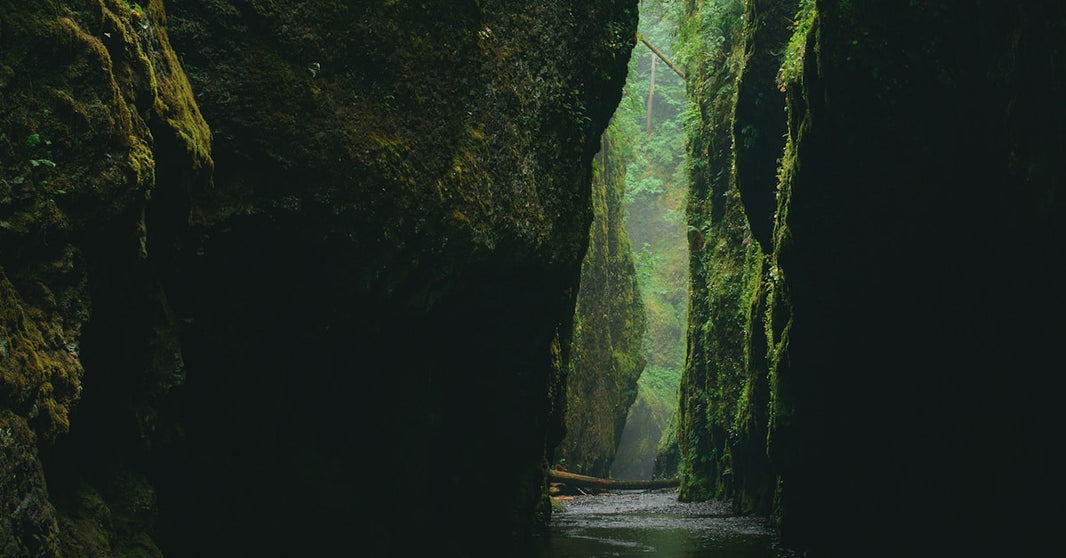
[
  {"x": 593, "y": 482},
  {"x": 651, "y": 94}
]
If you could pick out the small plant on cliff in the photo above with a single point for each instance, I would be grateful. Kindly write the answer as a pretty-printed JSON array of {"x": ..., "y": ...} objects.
[
  {"x": 792, "y": 62},
  {"x": 137, "y": 15}
]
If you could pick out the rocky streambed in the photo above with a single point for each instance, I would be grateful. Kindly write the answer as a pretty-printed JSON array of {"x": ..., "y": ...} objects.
[{"x": 655, "y": 523}]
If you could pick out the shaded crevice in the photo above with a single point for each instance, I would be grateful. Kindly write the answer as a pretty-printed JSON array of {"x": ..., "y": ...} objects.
[
  {"x": 759, "y": 126},
  {"x": 326, "y": 398}
]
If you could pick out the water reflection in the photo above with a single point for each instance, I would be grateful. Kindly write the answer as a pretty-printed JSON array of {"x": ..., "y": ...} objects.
[{"x": 655, "y": 524}]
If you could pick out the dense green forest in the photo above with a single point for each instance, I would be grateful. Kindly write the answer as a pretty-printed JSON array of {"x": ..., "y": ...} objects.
[
  {"x": 651, "y": 115},
  {"x": 646, "y": 158}
]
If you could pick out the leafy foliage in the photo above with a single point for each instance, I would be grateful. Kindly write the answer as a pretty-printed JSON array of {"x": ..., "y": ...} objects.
[
  {"x": 655, "y": 185},
  {"x": 792, "y": 64}
]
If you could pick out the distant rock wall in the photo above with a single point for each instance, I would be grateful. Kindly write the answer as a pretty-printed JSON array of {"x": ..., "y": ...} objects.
[{"x": 606, "y": 357}]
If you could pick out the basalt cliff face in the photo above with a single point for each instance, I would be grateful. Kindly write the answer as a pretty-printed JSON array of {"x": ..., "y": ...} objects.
[
  {"x": 606, "y": 357},
  {"x": 101, "y": 142},
  {"x": 883, "y": 375},
  {"x": 267, "y": 265},
  {"x": 921, "y": 216}
]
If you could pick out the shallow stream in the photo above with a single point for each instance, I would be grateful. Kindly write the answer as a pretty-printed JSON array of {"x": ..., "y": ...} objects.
[{"x": 654, "y": 523}]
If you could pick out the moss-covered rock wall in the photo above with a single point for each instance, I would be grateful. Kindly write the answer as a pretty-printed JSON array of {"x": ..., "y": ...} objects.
[
  {"x": 723, "y": 383},
  {"x": 898, "y": 383},
  {"x": 921, "y": 217},
  {"x": 606, "y": 357},
  {"x": 347, "y": 286},
  {"x": 100, "y": 143}
]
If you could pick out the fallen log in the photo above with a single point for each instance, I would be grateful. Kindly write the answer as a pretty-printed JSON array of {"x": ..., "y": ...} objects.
[{"x": 594, "y": 482}]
